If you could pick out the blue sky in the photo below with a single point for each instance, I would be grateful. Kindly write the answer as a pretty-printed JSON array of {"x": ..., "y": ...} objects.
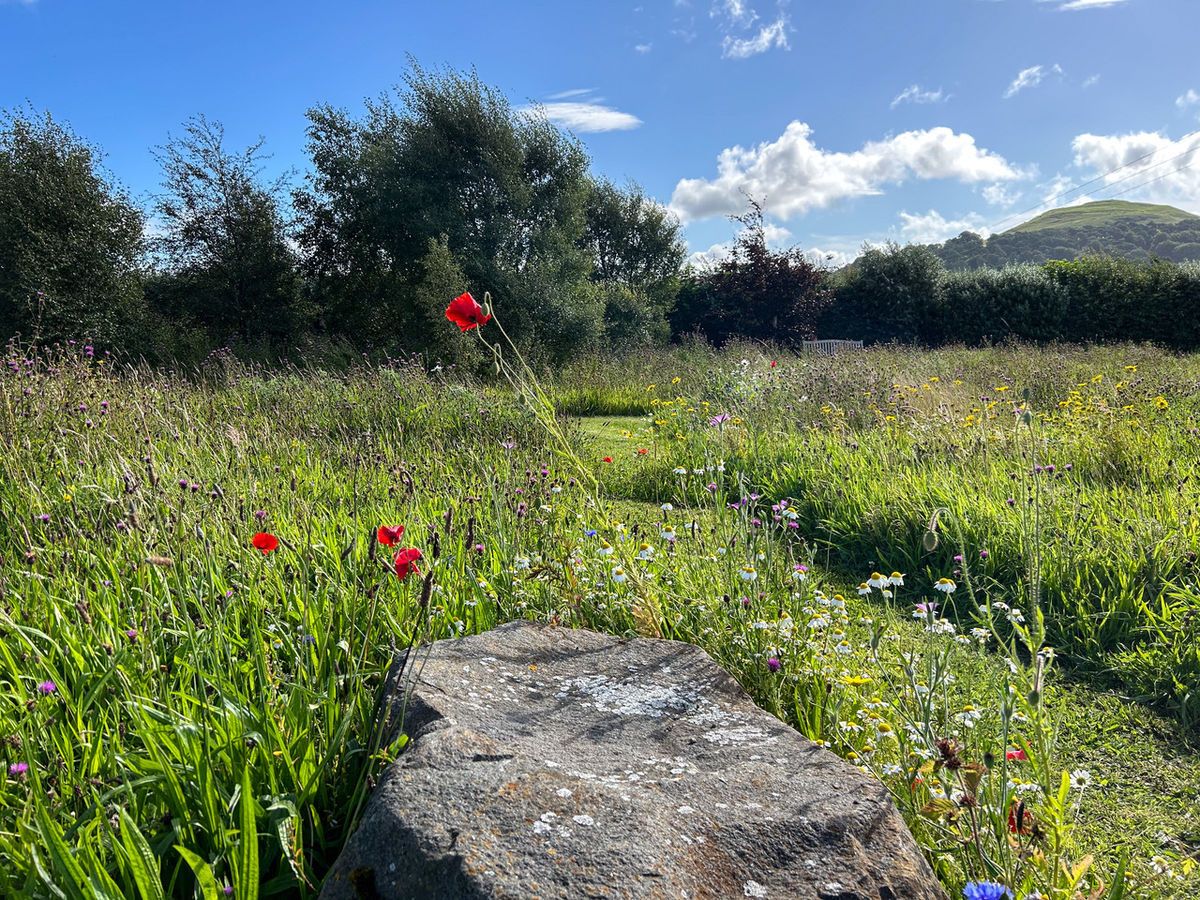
[{"x": 855, "y": 119}]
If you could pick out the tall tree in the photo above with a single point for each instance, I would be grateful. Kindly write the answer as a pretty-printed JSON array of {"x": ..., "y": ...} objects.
[
  {"x": 229, "y": 266},
  {"x": 637, "y": 256},
  {"x": 70, "y": 239},
  {"x": 756, "y": 292},
  {"x": 445, "y": 158}
]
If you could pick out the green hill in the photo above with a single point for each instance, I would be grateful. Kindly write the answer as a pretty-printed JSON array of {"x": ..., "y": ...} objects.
[
  {"x": 1107, "y": 228},
  {"x": 1103, "y": 213}
]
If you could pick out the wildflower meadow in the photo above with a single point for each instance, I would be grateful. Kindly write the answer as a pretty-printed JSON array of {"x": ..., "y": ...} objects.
[{"x": 971, "y": 573}]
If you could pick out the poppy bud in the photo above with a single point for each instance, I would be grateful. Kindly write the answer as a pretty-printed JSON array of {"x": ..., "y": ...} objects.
[{"x": 426, "y": 590}]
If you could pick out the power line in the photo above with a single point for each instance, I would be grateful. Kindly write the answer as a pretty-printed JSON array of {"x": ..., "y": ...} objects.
[
  {"x": 1152, "y": 180},
  {"x": 1049, "y": 201}
]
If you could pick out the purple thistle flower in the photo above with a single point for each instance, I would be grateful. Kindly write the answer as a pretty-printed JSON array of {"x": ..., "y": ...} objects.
[
  {"x": 18, "y": 769},
  {"x": 983, "y": 554},
  {"x": 958, "y": 557},
  {"x": 719, "y": 419},
  {"x": 773, "y": 664},
  {"x": 47, "y": 687}
]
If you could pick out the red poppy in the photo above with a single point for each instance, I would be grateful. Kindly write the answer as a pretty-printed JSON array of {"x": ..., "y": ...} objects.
[
  {"x": 389, "y": 535},
  {"x": 465, "y": 312},
  {"x": 608, "y": 459},
  {"x": 642, "y": 451},
  {"x": 406, "y": 562},
  {"x": 264, "y": 542},
  {"x": 774, "y": 363},
  {"x": 1015, "y": 755}
]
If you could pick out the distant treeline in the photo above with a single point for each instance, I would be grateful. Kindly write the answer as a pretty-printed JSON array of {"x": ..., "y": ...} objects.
[
  {"x": 906, "y": 294},
  {"x": 1146, "y": 240},
  {"x": 441, "y": 186}
]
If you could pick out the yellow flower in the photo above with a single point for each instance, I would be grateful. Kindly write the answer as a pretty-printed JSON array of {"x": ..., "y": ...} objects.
[{"x": 676, "y": 380}]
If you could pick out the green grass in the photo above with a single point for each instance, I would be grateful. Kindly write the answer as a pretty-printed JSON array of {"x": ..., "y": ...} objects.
[
  {"x": 1103, "y": 212},
  {"x": 212, "y": 715}
]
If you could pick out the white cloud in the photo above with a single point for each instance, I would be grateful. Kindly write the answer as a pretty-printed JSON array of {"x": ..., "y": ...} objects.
[
  {"x": 793, "y": 175},
  {"x": 934, "y": 228},
  {"x": 577, "y": 110},
  {"x": 643, "y": 48},
  {"x": 773, "y": 35},
  {"x": 573, "y": 92},
  {"x": 1168, "y": 173},
  {"x": 999, "y": 195},
  {"x": 713, "y": 255},
  {"x": 1091, "y": 81},
  {"x": 832, "y": 259},
  {"x": 1030, "y": 78},
  {"x": 914, "y": 93},
  {"x": 738, "y": 12},
  {"x": 1187, "y": 99},
  {"x": 776, "y": 235},
  {"x": 1071, "y": 5}
]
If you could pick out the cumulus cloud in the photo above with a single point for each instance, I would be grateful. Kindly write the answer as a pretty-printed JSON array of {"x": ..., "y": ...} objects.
[
  {"x": 773, "y": 35},
  {"x": 577, "y": 110},
  {"x": 914, "y": 93},
  {"x": 1030, "y": 78},
  {"x": 1187, "y": 99},
  {"x": 793, "y": 175},
  {"x": 717, "y": 253},
  {"x": 1000, "y": 195},
  {"x": 830, "y": 259},
  {"x": 1157, "y": 168},
  {"x": 934, "y": 228}
]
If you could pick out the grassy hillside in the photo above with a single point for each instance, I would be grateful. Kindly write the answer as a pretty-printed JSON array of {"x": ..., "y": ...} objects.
[
  {"x": 1105, "y": 228},
  {"x": 1104, "y": 213}
]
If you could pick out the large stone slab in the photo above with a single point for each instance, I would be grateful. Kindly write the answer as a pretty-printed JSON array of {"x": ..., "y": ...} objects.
[{"x": 550, "y": 762}]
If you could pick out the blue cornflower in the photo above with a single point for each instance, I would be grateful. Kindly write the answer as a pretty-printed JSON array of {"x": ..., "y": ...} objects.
[
  {"x": 986, "y": 890},
  {"x": 591, "y": 532}
]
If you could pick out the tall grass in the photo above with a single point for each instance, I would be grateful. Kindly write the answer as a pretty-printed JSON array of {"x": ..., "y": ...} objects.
[{"x": 183, "y": 714}]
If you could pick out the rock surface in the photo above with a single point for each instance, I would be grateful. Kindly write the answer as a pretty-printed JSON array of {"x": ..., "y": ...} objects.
[{"x": 550, "y": 762}]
